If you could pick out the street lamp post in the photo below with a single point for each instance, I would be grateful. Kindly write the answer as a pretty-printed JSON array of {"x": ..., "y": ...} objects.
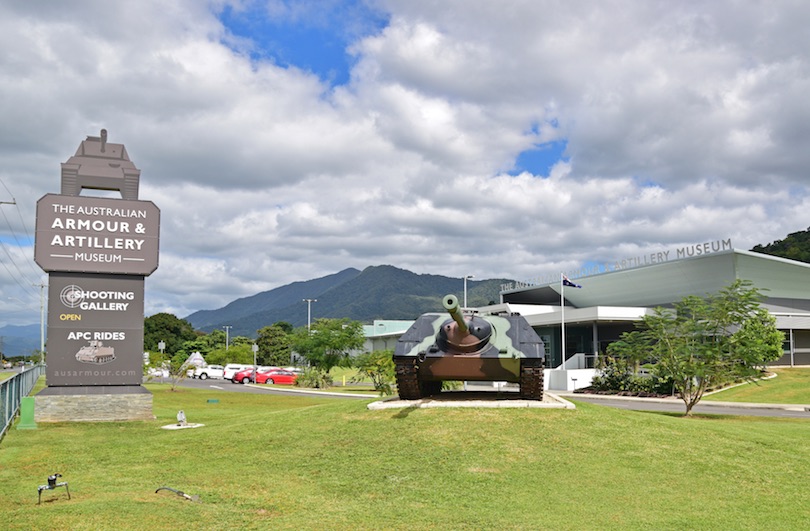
[
  {"x": 255, "y": 349},
  {"x": 227, "y": 336},
  {"x": 309, "y": 313},
  {"x": 465, "y": 288}
]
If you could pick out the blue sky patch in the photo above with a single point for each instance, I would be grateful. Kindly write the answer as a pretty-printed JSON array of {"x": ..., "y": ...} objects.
[
  {"x": 540, "y": 159},
  {"x": 309, "y": 36}
]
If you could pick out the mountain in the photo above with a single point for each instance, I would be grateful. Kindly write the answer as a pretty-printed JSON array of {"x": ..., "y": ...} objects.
[
  {"x": 378, "y": 292},
  {"x": 796, "y": 246},
  {"x": 269, "y": 301},
  {"x": 19, "y": 340}
]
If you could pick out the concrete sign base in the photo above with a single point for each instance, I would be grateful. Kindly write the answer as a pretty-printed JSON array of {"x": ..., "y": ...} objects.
[{"x": 93, "y": 404}]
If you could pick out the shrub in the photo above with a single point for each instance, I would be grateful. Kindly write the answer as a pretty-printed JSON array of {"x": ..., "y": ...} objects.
[
  {"x": 615, "y": 376},
  {"x": 378, "y": 366},
  {"x": 314, "y": 378}
]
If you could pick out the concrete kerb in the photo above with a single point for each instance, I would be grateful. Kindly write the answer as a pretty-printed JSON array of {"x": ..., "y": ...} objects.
[
  {"x": 181, "y": 426},
  {"x": 551, "y": 401},
  {"x": 674, "y": 400},
  {"x": 311, "y": 391}
]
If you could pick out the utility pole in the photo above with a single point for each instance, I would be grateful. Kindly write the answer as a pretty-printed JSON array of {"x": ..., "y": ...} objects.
[
  {"x": 465, "y": 288},
  {"x": 227, "y": 336},
  {"x": 309, "y": 314},
  {"x": 42, "y": 287}
]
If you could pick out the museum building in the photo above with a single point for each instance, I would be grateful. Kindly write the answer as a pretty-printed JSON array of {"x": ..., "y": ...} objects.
[{"x": 610, "y": 303}]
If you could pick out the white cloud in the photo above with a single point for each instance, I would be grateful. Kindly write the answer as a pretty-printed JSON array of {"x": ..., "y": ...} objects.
[{"x": 684, "y": 122}]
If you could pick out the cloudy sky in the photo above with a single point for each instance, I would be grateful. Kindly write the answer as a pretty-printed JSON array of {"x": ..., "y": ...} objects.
[{"x": 284, "y": 140}]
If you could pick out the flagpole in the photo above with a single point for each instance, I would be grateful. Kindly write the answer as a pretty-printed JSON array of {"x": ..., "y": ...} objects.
[{"x": 562, "y": 319}]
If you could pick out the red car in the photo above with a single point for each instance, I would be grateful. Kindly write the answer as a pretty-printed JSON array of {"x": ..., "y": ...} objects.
[
  {"x": 276, "y": 376},
  {"x": 243, "y": 376}
]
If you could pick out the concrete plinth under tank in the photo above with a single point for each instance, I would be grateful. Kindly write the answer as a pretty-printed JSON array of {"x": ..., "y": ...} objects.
[{"x": 93, "y": 404}]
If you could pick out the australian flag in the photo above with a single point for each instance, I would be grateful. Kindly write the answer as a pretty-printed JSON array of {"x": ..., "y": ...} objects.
[{"x": 567, "y": 282}]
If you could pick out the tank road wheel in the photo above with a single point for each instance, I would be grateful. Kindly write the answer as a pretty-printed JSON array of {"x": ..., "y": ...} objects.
[
  {"x": 531, "y": 379},
  {"x": 408, "y": 379}
]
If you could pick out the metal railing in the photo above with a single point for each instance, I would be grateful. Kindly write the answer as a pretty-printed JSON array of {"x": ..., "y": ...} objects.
[{"x": 12, "y": 392}]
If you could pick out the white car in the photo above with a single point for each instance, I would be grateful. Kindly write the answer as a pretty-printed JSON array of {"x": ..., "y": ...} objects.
[
  {"x": 209, "y": 371},
  {"x": 158, "y": 371}
]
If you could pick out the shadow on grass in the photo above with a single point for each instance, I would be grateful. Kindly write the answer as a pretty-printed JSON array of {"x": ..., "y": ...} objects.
[
  {"x": 699, "y": 416},
  {"x": 403, "y": 413}
]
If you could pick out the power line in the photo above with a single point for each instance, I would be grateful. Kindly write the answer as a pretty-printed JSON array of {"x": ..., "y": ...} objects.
[
  {"x": 17, "y": 240},
  {"x": 22, "y": 281},
  {"x": 30, "y": 262}
]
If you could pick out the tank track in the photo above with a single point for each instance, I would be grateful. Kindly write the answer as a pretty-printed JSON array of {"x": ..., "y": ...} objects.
[
  {"x": 531, "y": 379},
  {"x": 407, "y": 379},
  {"x": 409, "y": 386}
]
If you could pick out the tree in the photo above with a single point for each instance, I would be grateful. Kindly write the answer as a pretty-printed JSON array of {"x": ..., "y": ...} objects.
[
  {"x": 710, "y": 341},
  {"x": 178, "y": 369},
  {"x": 758, "y": 337},
  {"x": 329, "y": 344},
  {"x": 274, "y": 344},
  {"x": 241, "y": 340},
  {"x": 168, "y": 328},
  {"x": 630, "y": 349},
  {"x": 796, "y": 246},
  {"x": 378, "y": 366},
  {"x": 242, "y": 353}
]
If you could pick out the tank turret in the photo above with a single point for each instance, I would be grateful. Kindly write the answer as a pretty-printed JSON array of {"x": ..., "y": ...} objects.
[{"x": 468, "y": 347}]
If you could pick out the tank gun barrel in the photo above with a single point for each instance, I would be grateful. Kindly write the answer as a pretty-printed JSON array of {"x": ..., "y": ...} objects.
[{"x": 450, "y": 303}]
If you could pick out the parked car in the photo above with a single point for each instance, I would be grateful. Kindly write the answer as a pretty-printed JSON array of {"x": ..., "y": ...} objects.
[
  {"x": 276, "y": 376},
  {"x": 246, "y": 375},
  {"x": 243, "y": 376},
  {"x": 232, "y": 368},
  {"x": 209, "y": 371},
  {"x": 158, "y": 371}
]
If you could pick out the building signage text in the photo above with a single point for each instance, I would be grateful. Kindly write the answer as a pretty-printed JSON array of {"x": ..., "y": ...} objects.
[
  {"x": 98, "y": 235},
  {"x": 688, "y": 251}
]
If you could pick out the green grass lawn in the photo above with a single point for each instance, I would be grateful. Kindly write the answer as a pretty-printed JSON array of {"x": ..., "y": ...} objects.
[
  {"x": 790, "y": 386},
  {"x": 277, "y": 462}
]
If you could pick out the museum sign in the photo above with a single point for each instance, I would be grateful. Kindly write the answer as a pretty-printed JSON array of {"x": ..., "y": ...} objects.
[{"x": 97, "y": 235}]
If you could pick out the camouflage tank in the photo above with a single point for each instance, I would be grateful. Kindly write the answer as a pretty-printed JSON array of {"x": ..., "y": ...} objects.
[{"x": 503, "y": 348}]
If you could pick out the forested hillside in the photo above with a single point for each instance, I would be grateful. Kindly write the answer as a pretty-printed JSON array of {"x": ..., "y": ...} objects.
[
  {"x": 796, "y": 246},
  {"x": 378, "y": 292}
]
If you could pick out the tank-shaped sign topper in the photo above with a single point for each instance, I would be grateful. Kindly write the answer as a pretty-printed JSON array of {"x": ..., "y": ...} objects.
[{"x": 100, "y": 165}]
